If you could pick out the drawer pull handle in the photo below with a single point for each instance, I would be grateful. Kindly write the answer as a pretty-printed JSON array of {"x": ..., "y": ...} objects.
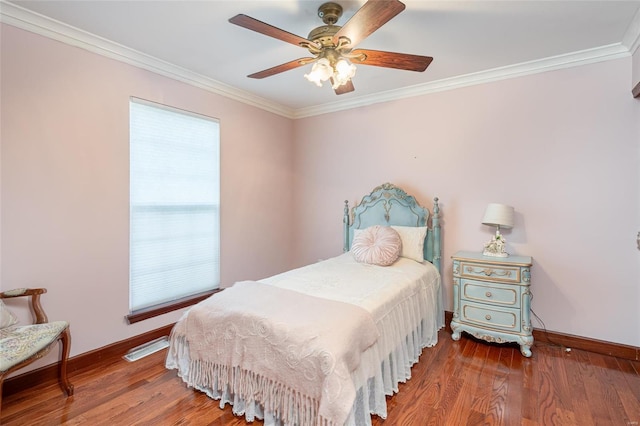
[
  {"x": 488, "y": 294},
  {"x": 489, "y": 271},
  {"x": 487, "y": 317}
]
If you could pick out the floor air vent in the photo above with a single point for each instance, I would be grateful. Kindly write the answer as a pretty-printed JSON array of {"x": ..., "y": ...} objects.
[{"x": 147, "y": 349}]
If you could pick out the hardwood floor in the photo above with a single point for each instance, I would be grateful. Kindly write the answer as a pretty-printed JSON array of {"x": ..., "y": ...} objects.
[{"x": 455, "y": 383}]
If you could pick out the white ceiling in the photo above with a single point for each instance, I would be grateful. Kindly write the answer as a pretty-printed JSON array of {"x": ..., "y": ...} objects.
[{"x": 471, "y": 41}]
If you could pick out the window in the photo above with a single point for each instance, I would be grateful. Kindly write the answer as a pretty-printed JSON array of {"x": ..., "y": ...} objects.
[{"x": 174, "y": 248}]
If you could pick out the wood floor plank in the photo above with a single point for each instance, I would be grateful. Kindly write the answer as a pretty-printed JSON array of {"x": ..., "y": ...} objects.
[
  {"x": 482, "y": 397},
  {"x": 629, "y": 394},
  {"x": 465, "y": 382},
  {"x": 530, "y": 409},
  {"x": 515, "y": 391},
  {"x": 551, "y": 395},
  {"x": 609, "y": 393},
  {"x": 473, "y": 359},
  {"x": 452, "y": 380},
  {"x": 632, "y": 394},
  {"x": 574, "y": 362},
  {"x": 622, "y": 394},
  {"x": 498, "y": 399}
]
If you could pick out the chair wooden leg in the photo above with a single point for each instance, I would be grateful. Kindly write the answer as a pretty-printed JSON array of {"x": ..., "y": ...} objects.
[
  {"x": 1, "y": 383},
  {"x": 65, "y": 339}
]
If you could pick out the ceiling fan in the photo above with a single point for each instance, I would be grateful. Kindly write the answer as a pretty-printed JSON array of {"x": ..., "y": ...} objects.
[{"x": 332, "y": 46}]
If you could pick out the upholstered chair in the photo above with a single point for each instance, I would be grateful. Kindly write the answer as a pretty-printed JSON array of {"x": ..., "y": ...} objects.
[{"x": 23, "y": 344}]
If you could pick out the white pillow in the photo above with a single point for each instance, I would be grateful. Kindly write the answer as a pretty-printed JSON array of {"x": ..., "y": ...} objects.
[
  {"x": 6, "y": 316},
  {"x": 412, "y": 241},
  {"x": 376, "y": 245}
]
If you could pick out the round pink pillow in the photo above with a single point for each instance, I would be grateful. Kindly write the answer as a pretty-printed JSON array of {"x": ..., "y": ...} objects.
[{"x": 377, "y": 245}]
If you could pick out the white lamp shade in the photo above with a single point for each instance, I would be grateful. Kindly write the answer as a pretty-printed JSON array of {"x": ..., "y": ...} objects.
[{"x": 498, "y": 215}]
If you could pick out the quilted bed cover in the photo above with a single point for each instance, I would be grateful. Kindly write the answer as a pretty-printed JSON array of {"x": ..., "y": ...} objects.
[{"x": 405, "y": 303}]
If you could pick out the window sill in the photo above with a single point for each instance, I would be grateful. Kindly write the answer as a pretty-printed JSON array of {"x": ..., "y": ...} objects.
[{"x": 157, "y": 310}]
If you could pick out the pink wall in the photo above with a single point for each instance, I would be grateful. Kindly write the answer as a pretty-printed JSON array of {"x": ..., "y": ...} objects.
[
  {"x": 562, "y": 147},
  {"x": 64, "y": 175},
  {"x": 636, "y": 69}
]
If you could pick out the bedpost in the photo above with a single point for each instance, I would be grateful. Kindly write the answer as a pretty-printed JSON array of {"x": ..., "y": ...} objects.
[
  {"x": 345, "y": 223},
  {"x": 435, "y": 225}
]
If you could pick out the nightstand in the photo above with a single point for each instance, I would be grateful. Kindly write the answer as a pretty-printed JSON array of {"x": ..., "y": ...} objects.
[{"x": 491, "y": 298}]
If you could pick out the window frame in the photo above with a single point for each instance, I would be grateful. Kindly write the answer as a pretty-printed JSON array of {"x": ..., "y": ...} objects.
[{"x": 137, "y": 315}]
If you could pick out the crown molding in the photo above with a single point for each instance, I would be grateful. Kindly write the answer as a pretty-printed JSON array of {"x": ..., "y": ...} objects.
[
  {"x": 25, "y": 19},
  {"x": 599, "y": 54},
  {"x": 631, "y": 38}
]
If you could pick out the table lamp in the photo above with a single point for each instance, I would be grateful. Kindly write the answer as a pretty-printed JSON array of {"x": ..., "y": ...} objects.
[{"x": 498, "y": 215}]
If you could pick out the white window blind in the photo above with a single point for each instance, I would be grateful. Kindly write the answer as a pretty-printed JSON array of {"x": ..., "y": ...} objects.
[{"x": 174, "y": 204}]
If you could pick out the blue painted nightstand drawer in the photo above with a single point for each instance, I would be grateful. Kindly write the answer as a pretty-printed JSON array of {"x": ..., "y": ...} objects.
[
  {"x": 491, "y": 317},
  {"x": 489, "y": 272},
  {"x": 495, "y": 294}
]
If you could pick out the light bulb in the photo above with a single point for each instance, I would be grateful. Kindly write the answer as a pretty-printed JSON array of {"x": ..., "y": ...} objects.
[
  {"x": 321, "y": 71},
  {"x": 344, "y": 71}
]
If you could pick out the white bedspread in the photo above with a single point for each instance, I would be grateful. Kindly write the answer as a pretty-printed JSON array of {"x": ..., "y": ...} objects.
[
  {"x": 301, "y": 356},
  {"x": 381, "y": 290},
  {"x": 405, "y": 303}
]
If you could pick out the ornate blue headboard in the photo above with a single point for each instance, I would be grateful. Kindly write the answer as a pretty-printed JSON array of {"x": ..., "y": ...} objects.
[{"x": 390, "y": 205}]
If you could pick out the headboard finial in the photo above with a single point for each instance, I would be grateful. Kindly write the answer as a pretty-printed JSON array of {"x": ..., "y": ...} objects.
[
  {"x": 345, "y": 225},
  {"x": 437, "y": 239}
]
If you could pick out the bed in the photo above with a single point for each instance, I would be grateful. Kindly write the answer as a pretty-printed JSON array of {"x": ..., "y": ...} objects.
[{"x": 325, "y": 343}]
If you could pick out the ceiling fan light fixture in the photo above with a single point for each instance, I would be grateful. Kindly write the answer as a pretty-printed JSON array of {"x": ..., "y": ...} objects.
[
  {"x": 321, "y": 71},
  {"x": 343, "y": 72},
  {"x": 340, "y": 72}
]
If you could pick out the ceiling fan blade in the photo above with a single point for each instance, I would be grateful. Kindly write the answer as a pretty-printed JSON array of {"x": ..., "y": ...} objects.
[
  {"x": 282, "y": 68},
  {"x": 345, "y": 88},
  {"x": 269, "y": 30},
  {"x": 401, "y": 61},
  {"x": 370, "y": 17}
]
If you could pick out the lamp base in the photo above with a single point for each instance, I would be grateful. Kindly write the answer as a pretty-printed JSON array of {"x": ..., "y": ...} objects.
[
  {"x": 496, "y": 246},
  {"x": 494, "y": 254}
]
